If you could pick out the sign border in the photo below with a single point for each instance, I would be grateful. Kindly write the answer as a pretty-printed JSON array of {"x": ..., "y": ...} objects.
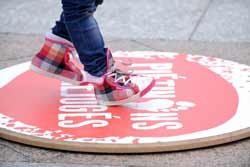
[{"x": 183, "y": 144}]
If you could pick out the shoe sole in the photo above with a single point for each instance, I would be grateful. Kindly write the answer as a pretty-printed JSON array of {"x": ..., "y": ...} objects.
[
  {"x": 51, "y": 75},
  {"x": 121, "y": 102}
]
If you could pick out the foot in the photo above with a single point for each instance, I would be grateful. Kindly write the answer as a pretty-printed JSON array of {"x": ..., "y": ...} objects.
[
  {"x": 120, "y": 87},
  {"x": 55, "y": 60}
]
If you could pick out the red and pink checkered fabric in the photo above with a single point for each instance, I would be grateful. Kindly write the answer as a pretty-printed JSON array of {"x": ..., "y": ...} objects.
[
  {"x": 115, "y": 91},
  {"x": 54, "y": 58}
]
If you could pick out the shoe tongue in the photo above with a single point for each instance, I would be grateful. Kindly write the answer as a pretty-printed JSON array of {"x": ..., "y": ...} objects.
[{"x": 110, "y": 62}]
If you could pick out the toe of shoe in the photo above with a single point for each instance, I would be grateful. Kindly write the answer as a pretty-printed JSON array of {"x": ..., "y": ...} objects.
[{"x": 145, "y": 84}]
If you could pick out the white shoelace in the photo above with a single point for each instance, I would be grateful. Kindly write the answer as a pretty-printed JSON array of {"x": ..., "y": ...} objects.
[
  {"x": 118, "y": 78},
  {"x": 116, "y": 72}
]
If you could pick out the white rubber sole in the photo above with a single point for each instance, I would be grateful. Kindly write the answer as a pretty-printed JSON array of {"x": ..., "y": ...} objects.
[
  {"x": 51, "y": 75},
  {"x": 121, "y": 102}
]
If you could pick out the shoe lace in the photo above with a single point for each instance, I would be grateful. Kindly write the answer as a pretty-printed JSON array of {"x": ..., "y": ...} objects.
[{"x": 121, "y": 76}]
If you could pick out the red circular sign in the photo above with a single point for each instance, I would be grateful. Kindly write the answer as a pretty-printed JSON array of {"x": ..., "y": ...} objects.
[{"x": 194, "y": 97}]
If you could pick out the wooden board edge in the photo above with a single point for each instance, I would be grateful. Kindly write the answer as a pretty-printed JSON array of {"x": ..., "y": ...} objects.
[{"x": 124, "y": 148}]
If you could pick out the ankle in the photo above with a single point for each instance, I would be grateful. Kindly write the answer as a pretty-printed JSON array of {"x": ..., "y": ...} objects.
[
  {"x": 93, "y": 79},
  {"x": 58, "y": 39}
]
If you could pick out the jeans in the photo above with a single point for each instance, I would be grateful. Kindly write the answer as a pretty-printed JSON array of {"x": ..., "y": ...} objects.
[{"x": 78, "y": 25}]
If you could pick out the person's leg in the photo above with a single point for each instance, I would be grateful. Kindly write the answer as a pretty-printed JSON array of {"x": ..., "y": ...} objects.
[
  {"x": 85, "y": 34},
  {"x": 111, "y": 85},
  {"x": 60, "y": 28}
]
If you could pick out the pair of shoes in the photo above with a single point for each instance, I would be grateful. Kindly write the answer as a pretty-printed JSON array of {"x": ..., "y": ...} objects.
[{"x": 57, "y": 59}]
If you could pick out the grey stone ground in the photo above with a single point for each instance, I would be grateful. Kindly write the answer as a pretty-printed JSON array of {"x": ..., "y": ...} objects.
[
  {"x": 219, "y": 28},
  {"x": 206, "y": 20}
]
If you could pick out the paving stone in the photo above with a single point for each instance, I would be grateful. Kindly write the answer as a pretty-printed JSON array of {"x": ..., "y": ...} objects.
[
  {"x": 233, "y": 154},
  {"x": 25, "y": 164},
  {"x": 171, "y": 19},
  {"x": 225, "y": 20},
  {"x": 19, "y": 46},
  {"x": 14, "y": 47},
  {"x": 235, "y": 51},
  {"x": 27, "y": 16},
  {"x": 166, "y": 19}
]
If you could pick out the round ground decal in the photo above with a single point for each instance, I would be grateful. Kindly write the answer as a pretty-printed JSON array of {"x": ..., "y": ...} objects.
[{"x": 197, "y": 101}]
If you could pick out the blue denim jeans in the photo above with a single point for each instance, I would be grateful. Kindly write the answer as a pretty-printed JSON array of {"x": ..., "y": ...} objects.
[{"x": 78, "y": 25}]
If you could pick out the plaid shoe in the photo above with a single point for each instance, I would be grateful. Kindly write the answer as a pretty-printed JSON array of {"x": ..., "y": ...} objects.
[
  {"x": 55, "y": 60},
  {"x": 120, "y": 87}
]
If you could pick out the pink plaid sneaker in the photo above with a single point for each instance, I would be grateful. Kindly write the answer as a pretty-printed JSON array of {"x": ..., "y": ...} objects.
[
  {"x": 120, "y": 87},
  {"x": 55, "y": 60}
]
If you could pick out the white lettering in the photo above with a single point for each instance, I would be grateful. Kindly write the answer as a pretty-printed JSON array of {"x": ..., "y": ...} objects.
[
  {"x": 167, "y": 125},
  {"x": 67, "y": 120}
]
